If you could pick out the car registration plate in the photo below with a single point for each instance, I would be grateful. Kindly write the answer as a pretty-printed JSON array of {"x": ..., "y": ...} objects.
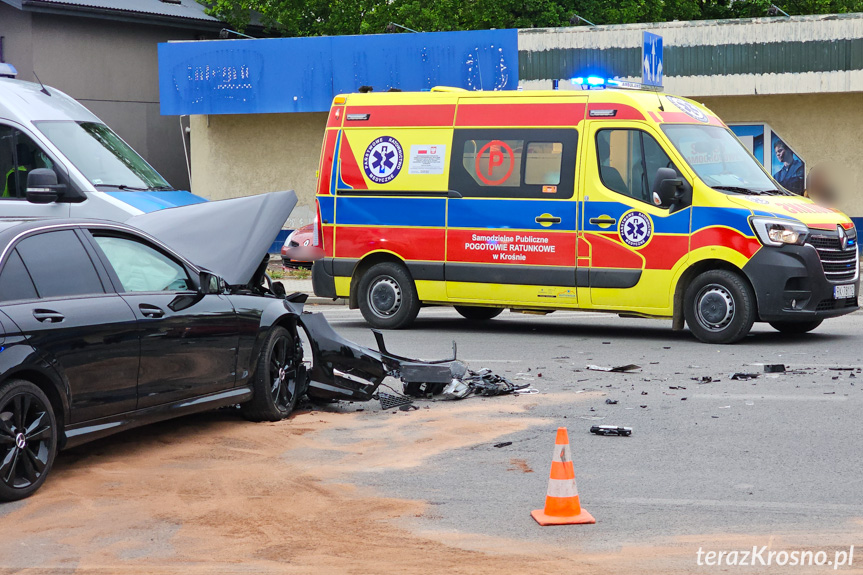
[{"x": 843, "y": 292}]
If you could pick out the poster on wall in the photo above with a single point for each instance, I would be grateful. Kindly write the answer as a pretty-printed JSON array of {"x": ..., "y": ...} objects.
[{"x": 780, "y": 159}]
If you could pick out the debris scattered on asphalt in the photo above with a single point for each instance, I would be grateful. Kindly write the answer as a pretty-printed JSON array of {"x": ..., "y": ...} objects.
[
  {"x": 504, "y": 444},
  {"x": 483, "y": 382},
  {"x": 389, "y": 401},
  {"x": 774, "y": 368},
  {"x": 611, "y": 401},
  {"x": 408, "y": 407},
  {"x": 618, "y": 369},
  {"x": 611, "y": 430},
  {"x": 643, "y": 393},
  {"x": 703, "y": 379},
  {"x": 676, "y": 387},
  {"x": 682, "y": 399},
  {"x": 841, "y": 368},
  {"x": 744, "y": 376},
  {"x": 643, "y": 406}
]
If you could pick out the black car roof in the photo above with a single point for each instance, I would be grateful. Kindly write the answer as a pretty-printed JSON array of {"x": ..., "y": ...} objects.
[{"x": 12, "y": 227}]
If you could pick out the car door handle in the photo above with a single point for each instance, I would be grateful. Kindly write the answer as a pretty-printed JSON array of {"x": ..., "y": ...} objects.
[
  {"x": 48, "y": 316},
  {"x": 602, "y": 221},
  {"x": 547, "y": 219},
  {"x": 150, "y": 310}
]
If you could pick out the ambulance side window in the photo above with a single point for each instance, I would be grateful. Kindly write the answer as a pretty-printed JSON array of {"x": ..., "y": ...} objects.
[
  {"x": 514, "y": 163},
  {"x": 628, "y": 161}
]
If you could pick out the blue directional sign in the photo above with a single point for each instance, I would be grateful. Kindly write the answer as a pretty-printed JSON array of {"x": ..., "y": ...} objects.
[{"x": 651, "y": 59}]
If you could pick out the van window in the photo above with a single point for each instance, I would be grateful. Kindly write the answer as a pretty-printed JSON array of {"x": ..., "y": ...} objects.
[
  {"x": 628, "y": 161},
  {"x": 100, "y": 154},
  {"x": 514, "y": 163},
  {"x": 19, "y": 155}
]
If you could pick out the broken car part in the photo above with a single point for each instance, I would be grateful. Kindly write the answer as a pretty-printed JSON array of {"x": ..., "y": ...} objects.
[{"x": 611, "y": 430}]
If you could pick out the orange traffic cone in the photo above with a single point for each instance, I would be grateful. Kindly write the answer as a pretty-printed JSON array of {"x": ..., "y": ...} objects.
[{"x": 562, "y": 506}]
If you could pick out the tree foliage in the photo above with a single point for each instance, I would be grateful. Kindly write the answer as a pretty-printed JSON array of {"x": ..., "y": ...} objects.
[{"x": 339, "y": 17}]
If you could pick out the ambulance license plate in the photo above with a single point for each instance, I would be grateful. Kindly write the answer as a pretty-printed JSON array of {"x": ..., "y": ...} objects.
[{"x": 843, "y": 292}]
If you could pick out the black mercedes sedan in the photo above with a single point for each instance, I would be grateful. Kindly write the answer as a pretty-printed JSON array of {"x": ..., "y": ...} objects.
[{"x": 104, "y": 327}]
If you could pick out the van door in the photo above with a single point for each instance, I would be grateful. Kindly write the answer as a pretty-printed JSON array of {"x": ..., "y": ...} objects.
[
  {"x": 634, "y": 245},
  {"x": 511, "y": 233},
  {"x": 19, "y": 155}
]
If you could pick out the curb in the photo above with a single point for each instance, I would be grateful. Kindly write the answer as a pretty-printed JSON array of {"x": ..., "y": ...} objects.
[{"x": 313, "y": 300}]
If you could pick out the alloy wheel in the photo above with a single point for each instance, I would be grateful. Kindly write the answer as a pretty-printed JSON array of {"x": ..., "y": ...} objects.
[{"x": 25, "y": 440}]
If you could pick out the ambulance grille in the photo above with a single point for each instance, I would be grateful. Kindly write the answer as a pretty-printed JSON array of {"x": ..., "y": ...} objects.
[{"x": 839, "y": 265}]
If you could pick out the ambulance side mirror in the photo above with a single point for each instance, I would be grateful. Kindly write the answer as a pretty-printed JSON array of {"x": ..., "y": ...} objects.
[{"x": 669, "y": 190}]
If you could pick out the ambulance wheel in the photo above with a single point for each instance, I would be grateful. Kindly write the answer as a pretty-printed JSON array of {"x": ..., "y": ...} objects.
[
  {"x": 719, "y": 307},
  {"x": 387, "y": 296},
  {"x": 478, "y": 313},
  {"x": 795, "y": 327}
]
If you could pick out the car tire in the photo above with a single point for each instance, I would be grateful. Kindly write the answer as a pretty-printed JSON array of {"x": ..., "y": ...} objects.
[
  {"x": 475, "y": 313},
  {"x": 387, "y": 296},
  {"x": 28, "y": 439},
  {"x": 795, "y": 327},
  {"x": 719, "y": 307},
  {"x": 280, "y": 377}
]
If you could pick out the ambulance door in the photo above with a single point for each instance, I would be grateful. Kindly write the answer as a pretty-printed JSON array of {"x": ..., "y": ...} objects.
[
  {"x": 633, "y": 244},
  {"x": 511, "y": 216}
]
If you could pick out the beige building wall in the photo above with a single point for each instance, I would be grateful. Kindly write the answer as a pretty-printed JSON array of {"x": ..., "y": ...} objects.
[
  {"x": 819, "y": 127},
  {"x": 241, "y": 155}
]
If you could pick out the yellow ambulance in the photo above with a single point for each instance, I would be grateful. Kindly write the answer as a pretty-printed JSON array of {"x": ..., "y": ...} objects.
[{"x": 618, "y": 200}]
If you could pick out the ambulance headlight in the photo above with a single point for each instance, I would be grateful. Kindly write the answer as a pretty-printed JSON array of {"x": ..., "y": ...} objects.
[{"x": 775, "y": 232}]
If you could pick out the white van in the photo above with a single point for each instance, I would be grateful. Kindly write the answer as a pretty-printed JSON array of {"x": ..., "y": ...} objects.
[{"x": 77, "y": 166}]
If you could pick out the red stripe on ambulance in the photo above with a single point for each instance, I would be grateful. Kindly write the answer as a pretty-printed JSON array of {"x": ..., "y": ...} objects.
[
  {"x": 501, "y": 246},
  {"x": 402, "y": 116},
  {"x": 422, "y": 244},
  {"x": 351, "y": 174},
  {"x": 717, "y": 236},
  {"x": 498, "y": 115}
]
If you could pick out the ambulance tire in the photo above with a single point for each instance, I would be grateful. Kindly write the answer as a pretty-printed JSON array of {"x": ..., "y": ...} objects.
[
  {"x": 475, "y": 313},
  {"x": 795, "y": 327},
  {"x": 719, "y": 307},
  {"x": 387, "y": 296}
]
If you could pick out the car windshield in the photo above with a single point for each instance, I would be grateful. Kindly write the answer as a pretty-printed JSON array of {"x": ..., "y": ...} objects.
[
  {"x": 103, "y": 158},
  {"x": 719, "y": 159}
]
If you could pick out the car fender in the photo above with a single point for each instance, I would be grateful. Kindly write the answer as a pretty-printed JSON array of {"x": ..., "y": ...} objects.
[{"x": 18, "y": 360}]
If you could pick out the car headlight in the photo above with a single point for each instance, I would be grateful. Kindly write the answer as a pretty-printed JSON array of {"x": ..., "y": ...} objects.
[
  {"x": 288, "y": 239},
  {"x": 776, "y": 232}
]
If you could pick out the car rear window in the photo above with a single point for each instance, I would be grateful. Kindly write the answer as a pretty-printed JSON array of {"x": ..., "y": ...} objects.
[
  {"x": 15, "y": 282},
  {"x": 59, "y": 265}
]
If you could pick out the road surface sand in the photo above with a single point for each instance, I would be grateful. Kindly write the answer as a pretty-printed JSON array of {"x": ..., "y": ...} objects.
[{"x": 214, "y": 494}]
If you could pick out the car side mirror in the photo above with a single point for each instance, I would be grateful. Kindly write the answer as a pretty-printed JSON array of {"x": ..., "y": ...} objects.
[
  {"x": 42, "y": 186},
  {"x": 669, "y": 189},
  {"x": 210, "y": 283}
]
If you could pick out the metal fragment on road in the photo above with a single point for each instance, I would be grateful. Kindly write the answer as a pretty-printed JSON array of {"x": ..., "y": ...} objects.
[{"x": 617, "y": 369}]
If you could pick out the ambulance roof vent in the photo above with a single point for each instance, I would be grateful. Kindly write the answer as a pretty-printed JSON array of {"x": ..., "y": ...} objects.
[{"x": 447, "y": 89}]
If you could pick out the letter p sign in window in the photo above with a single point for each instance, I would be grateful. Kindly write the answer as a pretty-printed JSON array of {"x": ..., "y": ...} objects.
[{"x": 497, "y": 162}]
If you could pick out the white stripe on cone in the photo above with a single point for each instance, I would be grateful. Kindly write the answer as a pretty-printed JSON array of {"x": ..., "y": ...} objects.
[
  {"x": 562, "y": 488},
  {"x": 561, "y": 453}
]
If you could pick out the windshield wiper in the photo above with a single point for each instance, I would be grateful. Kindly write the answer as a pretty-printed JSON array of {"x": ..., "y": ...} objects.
[
  {"x": 164, "y": 188},
  {"x": 751, "y": 191},
  {"x": 122, "y": 187}
]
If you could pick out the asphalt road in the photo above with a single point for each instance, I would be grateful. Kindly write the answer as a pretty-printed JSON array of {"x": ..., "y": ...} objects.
[{"x": 774, "y": 457}]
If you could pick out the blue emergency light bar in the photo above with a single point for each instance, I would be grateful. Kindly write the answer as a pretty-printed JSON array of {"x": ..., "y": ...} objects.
[
  {"x": 7, "y": 70},
  {"x": 598, "y": 83}
]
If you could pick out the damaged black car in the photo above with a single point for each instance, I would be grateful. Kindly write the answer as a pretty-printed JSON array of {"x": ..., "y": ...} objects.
[{"x": 107, "y": 326}]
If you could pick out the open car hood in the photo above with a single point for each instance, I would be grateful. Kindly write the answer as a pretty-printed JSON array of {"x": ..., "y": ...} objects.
[{"x": 227, "y": 237}]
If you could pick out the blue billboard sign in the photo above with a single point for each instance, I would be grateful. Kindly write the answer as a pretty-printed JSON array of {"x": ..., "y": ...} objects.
[
  {"x": 651, "y": 59},
  {"x": 304, "y": 74}
]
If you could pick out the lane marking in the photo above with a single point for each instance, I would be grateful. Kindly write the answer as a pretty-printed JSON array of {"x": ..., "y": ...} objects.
[{"x": 752, "y": 397}]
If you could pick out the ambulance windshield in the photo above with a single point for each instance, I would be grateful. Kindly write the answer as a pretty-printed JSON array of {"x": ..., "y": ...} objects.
[{"x": 720, "y": 160}]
